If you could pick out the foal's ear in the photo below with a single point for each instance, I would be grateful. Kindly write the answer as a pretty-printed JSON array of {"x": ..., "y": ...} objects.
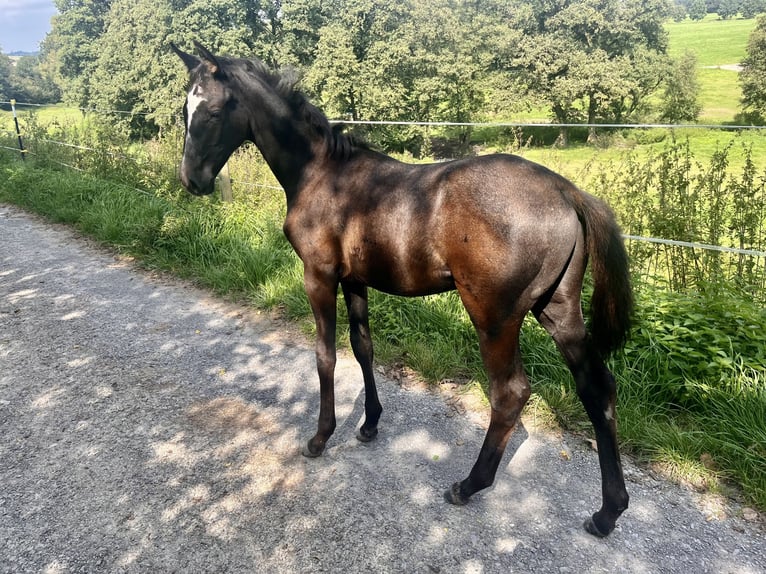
[
  {"x": 190, "y": 61},
  {"x": 208, "y": 59}
]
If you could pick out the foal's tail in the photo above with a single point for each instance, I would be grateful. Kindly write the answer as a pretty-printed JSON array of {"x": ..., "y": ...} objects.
[{"x": 611, "y": 305}]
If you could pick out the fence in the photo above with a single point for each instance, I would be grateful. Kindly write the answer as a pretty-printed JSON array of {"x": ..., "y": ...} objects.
[{"x": 682, "y": 262}]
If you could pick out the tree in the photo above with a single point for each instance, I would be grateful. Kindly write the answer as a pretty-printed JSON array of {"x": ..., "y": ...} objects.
[
  {"x": 434, "y": 62},
  {"x": 70, "y": 49},
  {"x": 697, "y": 9},
  {"x": 134, "y": 72},
  {"x": 590, "y": 59},
  {"x": 28, "y": 84},
  {"x": 301, "y": 22},
  {"x": 678, "y": 12},
  {"x": 751, "y": 8},
  {"x": 680, "y": 103},
  {"x": 236, "y": 27},
  {"x": 753, "y": 75},
  {"x": 728, "y": 8},
  {"x": 335, "y": 72},
  {"x": 423, "y": 60},
  {"x": 5, "y": 76}
]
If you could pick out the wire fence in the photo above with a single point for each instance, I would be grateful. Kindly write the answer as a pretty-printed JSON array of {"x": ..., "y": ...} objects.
[
  {"x": 494, "y": 124},
  {"x": 84, "y": 156},
  {"x": 528, "y": 124}
]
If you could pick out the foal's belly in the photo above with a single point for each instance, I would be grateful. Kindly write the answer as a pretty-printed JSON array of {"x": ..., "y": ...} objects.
[
  {"x": 402, "y": 271},
  {"x": 414, "y": 286}
]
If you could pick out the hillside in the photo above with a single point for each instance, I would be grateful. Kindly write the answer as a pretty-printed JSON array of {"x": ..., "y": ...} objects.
[{"x": 719, "y": 46}]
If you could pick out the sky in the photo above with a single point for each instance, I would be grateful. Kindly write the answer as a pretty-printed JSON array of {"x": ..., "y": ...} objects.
[{"x": 24, "y": 24}]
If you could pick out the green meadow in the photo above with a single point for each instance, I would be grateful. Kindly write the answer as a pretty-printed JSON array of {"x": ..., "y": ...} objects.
[{"x": 716, "y": 43}]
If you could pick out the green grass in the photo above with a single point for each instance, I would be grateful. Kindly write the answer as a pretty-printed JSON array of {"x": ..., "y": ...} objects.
[
  {"x": 44, "y": 115},
  {"x": 692, "y": 387},
  {"x": 53, "y": 113},
  {"x": 227, "y": 247},
  {"x": 720, "y": 96},
  {"x": 715, "y": 42},
  {"x": 583, "y": 163}
]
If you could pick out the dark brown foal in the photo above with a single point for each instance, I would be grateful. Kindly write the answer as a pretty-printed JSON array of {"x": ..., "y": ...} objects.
[{"x": 511, "y": 236}]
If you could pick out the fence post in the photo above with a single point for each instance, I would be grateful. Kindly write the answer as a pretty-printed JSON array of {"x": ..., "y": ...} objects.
[
  {"x": 225, "y": 179},
  {"x": 18, "y": 131}
]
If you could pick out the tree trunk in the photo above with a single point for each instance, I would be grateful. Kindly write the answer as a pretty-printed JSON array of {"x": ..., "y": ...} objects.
[
  {"x": 591, "y": 119},
  {"x": 561, "y": 118}
]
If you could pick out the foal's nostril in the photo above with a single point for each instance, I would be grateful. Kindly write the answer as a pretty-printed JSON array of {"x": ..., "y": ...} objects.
[
  {"x": 190, "y": 182},
  {"x": 184, "y": 179},
  {"x": 196, "y": 187}
]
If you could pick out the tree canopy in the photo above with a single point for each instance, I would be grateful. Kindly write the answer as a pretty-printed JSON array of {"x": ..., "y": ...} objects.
[
  {"x": 427, "y": 60},
  {"x": 593, "y": 60},
  {"x": 24, "y": 80},
  {"x": 753, "y": 75},
  {"x": 5, "y": 77},
  {"x": 71, "y": 47}
]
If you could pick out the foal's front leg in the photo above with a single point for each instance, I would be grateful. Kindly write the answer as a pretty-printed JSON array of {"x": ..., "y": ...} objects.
[{"x": 322, "y": 292}]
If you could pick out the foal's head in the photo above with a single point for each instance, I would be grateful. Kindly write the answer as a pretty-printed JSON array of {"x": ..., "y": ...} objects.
[{"x": 215, "y": 122}]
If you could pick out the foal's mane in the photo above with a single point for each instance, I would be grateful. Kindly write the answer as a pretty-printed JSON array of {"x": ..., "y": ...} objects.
[{"x": 340, "y": 144}]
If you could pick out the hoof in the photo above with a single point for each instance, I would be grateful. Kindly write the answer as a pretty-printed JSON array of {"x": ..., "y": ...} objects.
[
  {"x": 363, "y": 435},
  {"x": 591, "y": 528},
  {"x": 453, "y": 496},
  {"x": 309, "y": 452}
]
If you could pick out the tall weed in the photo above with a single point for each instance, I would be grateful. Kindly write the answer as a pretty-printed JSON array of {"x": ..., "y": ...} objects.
[
  {"x": 693, "y": 383},
  {"x": 671, "y": 196}
]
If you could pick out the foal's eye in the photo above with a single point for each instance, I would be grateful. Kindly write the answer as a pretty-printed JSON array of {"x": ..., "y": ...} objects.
[{"x": 215, "y": 114}]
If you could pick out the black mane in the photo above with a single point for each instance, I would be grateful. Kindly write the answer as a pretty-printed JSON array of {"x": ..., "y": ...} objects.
[{"x": 340, "y": 145}]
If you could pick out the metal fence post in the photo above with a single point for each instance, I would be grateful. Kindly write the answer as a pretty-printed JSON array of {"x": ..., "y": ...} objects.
[{"x": 18, "y": 131}]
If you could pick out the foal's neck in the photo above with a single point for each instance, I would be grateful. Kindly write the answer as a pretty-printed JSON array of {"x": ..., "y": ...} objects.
[{"x": 286, "y": 139}]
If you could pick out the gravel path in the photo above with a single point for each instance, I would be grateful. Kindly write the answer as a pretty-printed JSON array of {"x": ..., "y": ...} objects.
[{"x": 148, "y": 427}]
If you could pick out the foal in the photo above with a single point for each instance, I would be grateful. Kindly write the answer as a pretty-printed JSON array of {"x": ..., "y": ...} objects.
[{"x": 510, "y": 235}]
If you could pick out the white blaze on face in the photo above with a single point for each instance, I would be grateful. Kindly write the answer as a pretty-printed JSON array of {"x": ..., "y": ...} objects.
[{"x": 193, "y": 100}]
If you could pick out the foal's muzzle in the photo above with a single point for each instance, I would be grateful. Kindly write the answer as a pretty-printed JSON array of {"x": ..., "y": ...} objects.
[{"x": 197, "y": 184}]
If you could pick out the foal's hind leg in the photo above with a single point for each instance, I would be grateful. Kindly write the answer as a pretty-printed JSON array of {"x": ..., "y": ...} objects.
[
  {"x": 562, "y": 318},
  {"x": 508, "y": 393},
  {"x": 356, "y": 302}
]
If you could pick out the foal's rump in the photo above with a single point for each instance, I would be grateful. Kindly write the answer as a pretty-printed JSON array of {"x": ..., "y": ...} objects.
[
  {"x": 510, "y": 217},
  {"x": 512, "y": 226}
]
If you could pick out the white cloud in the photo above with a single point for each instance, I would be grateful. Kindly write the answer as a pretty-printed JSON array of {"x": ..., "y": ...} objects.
[
  {"x": 14, "y": 8},
  {"x": 24, "y": 23}
]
